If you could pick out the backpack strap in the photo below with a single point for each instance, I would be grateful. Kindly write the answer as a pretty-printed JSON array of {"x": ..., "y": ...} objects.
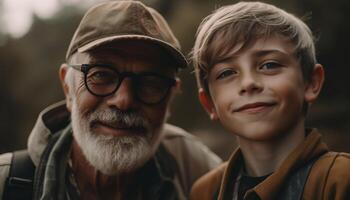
[
  {"x": 294, "y": 188},
  {"x": 19, "y": 183}
]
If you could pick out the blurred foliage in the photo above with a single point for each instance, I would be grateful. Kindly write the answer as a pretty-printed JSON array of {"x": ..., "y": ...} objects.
[{"x": 29, "y": 70}]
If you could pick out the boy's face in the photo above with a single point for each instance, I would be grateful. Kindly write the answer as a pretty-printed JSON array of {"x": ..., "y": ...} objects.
[{"x": 259, "y": 93}]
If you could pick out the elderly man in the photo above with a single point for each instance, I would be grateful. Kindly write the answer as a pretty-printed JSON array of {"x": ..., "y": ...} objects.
[{"x": 109, "y": 139}]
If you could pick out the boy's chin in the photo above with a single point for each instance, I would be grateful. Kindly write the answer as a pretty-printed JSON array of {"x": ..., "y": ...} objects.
[{"x": 260, "y": 133}]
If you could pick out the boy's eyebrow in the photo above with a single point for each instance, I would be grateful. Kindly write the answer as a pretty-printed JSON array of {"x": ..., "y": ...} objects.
[
  {"x": 258, "y": 53},
  {"x": 262, "y": 53}
]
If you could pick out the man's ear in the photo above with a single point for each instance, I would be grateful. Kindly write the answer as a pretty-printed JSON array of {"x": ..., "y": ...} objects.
[
  {"x": 62, "y": 74},
  {"x": 207, "y": 104},
  {"x": 314, "y": 86}
]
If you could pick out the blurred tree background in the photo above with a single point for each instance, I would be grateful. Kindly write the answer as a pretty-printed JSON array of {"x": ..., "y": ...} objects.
[{"x": 29, "y": 69}]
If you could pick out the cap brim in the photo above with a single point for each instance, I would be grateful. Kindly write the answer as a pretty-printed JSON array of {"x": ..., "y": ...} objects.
[{"x": 175, "y": 53}]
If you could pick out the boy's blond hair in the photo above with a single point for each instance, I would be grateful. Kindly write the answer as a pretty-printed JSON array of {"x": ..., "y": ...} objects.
[{"x": 243, "y": 23}]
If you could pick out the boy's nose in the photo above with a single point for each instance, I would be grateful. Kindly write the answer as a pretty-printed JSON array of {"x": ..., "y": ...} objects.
[
  {"x": 123, "y": 98},
  {"x": 250, "y": 83}
]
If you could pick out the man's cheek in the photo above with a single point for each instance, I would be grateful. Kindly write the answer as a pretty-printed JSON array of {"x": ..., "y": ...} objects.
[{"x": 87, "y": 104}]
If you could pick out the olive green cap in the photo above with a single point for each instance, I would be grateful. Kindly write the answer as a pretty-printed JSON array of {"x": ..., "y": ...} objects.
[{"x": 124, "y": 20}]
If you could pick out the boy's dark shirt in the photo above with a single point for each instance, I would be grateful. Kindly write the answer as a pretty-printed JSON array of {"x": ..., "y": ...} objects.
[{"x": 248, "y": 182}]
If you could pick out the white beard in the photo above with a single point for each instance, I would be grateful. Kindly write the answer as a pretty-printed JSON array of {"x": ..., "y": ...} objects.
[{"x": 113, "y": 155}]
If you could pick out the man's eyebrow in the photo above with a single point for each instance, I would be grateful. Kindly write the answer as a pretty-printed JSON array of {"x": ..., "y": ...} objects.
[{"x": 94, "y": 60}]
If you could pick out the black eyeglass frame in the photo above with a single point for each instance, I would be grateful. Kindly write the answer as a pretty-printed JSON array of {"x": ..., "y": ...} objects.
[{"x": 134, "y": 76}]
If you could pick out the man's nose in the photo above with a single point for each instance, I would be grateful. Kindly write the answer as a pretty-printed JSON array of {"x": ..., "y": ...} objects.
[
  {"x": 123, "y": 98},
  {"x": 250, "y": 83}
]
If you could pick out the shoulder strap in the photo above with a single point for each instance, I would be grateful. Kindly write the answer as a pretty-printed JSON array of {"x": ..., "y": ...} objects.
[
  {"x": 294, "y": 188},
  {"x": 19, "y": 184}
]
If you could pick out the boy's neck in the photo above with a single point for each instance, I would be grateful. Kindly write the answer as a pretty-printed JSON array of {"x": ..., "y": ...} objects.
[{"x": 264, "y": 157}]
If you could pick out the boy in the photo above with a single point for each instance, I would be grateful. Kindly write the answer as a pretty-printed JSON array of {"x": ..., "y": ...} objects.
[{"x": 257, "y": 73}]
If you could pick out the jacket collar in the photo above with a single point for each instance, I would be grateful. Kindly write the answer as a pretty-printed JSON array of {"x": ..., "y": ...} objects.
[
  {"x": 161, "y": 168},
  {"x": 311, "y": 148},
  {"x": 50, "y": 120}
]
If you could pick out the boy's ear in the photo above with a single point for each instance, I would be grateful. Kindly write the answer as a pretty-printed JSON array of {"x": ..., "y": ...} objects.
[
  {"x": 207, "y": 104},
  {"x": 315, "y": 84},
  {"x": 62, "y": 75}
]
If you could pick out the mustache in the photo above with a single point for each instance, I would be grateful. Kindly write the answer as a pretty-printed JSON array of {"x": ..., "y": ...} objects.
[{"x": 113, "y": 117}]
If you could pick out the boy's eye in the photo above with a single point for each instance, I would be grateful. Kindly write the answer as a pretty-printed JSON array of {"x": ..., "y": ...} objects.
[
  {"x": 270, "y": 66},
  {"x": 226, "y": 73}
]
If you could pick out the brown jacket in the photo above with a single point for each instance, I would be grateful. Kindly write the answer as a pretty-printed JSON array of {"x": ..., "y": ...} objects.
[{"x": 329, "y": 177}]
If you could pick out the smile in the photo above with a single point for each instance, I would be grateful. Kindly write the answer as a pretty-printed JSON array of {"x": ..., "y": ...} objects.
[{"x": 255, "y": 107}]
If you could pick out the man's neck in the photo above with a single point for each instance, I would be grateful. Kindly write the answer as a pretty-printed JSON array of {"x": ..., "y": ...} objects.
[
  {"x": 264, "y": 157},
  {"x": 93, "y": 184}
]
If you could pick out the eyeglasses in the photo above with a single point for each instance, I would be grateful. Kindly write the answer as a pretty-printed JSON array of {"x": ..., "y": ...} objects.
[{"x": 103, "y": 80}]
